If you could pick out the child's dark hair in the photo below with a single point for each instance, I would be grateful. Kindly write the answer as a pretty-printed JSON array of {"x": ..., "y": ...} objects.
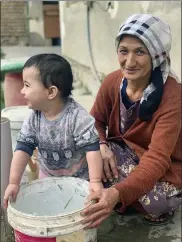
[{"x": 54, "y": 70}]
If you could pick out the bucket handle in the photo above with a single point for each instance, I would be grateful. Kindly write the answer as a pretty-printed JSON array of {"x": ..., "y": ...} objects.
[{"x": 32, "y": 165}]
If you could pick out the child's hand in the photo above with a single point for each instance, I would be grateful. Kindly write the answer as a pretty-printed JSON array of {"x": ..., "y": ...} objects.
[
  {"x": 95, "y": 186},
  {"x": 11, "y": 191}
]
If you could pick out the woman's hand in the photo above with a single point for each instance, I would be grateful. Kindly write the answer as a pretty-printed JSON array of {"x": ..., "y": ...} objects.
[
  {"x": 110, "y": 163},
  {"x": 106, "y": 199}
]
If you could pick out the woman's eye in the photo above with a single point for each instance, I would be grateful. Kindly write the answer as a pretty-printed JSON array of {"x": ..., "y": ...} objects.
[
  {"x": 140, "y": 52},
  {"x": 124, "y": 52},
  {"x": 26, "y": 85}
]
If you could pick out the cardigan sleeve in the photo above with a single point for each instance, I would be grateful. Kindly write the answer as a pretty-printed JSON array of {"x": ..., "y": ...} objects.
[
  {"x": 156, "y": 160},
  {"x": 102, "y": 107}
]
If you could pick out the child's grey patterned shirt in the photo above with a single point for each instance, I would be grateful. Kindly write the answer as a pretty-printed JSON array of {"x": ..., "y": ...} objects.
[{"x": 62, "y": 143}]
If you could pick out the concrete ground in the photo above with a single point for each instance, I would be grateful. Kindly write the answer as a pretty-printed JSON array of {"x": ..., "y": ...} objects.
[
  {"x": 132, "y": 229},
  {"x": 119, "y": 228},
  {"x": 24, "y": 51}
]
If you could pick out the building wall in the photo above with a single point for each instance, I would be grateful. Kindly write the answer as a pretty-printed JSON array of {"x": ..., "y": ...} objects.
[
  {"x": 43, "y": 23},
  {"x": 104, "y": 27},
  {"x": 36, "y": 22},
  {"x": 14, "y": 23}
]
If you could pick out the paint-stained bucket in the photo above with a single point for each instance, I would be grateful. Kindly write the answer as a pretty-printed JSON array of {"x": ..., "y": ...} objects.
[
  {"x": 17, "y": 115},
  {"x": 48, "y": 210}
]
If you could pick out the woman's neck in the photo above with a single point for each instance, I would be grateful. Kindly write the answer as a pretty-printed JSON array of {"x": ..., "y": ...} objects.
[{"x": 135, "y": 90}]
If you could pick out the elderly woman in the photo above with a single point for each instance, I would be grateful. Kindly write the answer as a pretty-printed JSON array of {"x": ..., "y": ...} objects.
[{"x": 138, "y": 118}]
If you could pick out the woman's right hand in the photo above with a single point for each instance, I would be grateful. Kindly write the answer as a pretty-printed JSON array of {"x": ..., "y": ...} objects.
[
  {"x": 110, "y": 163},
  {"x": 11, "y": 191},
  {"x": 106, "y": 199}
]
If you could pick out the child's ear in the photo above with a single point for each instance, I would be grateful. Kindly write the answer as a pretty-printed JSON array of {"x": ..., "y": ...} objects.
[{"x": 52, "y": 92}]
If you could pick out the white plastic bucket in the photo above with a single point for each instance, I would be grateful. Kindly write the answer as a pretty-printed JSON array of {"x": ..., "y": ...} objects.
[
  {"x": 50, "y": 208},
  {"x": 16, "y": 115},
  {"x": 6, "y": 154}
]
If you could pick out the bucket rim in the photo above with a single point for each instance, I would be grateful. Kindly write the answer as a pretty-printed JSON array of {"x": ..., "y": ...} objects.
[{"x": 45, "y": 217}]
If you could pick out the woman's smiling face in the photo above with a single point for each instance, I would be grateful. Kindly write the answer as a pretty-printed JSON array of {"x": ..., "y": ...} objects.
[{"x": 134, "y": 58}]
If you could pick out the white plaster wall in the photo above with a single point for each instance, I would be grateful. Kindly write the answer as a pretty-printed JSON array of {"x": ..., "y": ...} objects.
[
  {"x": 36, "y": 23},
  {"x": 104, "y": 28}
]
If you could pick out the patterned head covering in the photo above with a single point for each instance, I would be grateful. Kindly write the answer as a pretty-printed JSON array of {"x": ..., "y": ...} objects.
[{"x": 156, "y": 36}]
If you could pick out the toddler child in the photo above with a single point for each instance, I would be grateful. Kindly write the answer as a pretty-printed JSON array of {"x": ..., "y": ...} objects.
[{"x": 61, "y": 129}]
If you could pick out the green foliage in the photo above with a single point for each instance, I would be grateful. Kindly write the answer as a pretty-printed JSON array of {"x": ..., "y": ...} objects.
[{"x": 2, "y": 98}]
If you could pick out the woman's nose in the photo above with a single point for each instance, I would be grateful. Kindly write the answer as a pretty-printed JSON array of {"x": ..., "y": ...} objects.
[
  {"x": 22, "y": 91},
  {"x": 130, "y": 60}
]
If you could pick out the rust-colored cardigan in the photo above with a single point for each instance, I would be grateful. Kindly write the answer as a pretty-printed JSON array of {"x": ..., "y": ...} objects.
[{"x": 156, "y": 142}]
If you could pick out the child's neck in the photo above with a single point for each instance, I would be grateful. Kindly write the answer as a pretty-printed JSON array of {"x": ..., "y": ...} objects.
[{"x": 54, "y": 109}]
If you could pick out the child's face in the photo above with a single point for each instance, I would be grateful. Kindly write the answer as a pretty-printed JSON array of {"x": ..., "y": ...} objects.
[{"x": 34, "y": 91}]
